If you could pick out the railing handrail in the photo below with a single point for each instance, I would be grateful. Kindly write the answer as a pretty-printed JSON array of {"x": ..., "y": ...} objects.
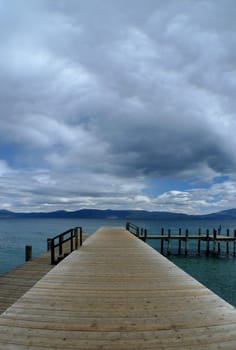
[
  {"x": 134, "y": 229},
  {"x": 73, "y": 237}
]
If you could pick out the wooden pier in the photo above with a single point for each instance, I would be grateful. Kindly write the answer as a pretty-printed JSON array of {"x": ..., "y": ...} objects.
[
  {"x": 116, "y": 292},
  {"x": 213, "y": 242},
  {"x": 18, "y": 281}
]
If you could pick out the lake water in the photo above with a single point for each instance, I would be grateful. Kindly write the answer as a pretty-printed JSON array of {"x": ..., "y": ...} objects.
[{"x": 217, "y": 273}]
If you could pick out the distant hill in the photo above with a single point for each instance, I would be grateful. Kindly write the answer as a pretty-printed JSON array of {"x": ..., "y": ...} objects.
[
  {"x": 118, "y": 214},
  {"x": 224, "y": 214}
]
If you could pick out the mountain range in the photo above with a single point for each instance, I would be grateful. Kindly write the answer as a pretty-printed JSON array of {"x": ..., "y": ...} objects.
[{"x": 117, "y": 214}]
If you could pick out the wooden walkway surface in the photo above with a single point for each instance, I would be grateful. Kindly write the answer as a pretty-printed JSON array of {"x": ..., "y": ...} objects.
[
  {"x": 18, "y": 281},
  {"x": 116, "y": 292}
]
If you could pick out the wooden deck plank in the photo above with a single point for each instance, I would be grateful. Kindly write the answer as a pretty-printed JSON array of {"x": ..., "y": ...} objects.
[
  {"x": 18, "y": 281},
  {"x": 117, "y": 292}
]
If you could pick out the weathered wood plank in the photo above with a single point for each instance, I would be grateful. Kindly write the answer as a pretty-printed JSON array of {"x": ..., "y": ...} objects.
[{"x": 16, "y": 282}]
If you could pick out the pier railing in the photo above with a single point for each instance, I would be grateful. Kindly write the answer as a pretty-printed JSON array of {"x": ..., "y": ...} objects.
[
  {"x": 137, "y": 231},
  {"x": 214, "y": 242},
  {"x": 64, "y": 243}
]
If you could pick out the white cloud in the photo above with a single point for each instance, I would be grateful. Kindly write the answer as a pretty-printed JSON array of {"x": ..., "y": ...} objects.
[
  {"x": 103, "y": 96},
  {"x": 4, "y": 168}
]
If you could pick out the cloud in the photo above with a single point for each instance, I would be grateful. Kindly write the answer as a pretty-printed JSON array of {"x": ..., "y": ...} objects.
[
  {"x": 4, "y": 168},
  {"x": 99, "y": 98}
]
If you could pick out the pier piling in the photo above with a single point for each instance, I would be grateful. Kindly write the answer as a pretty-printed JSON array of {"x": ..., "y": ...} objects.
[
  {"x": 28, "y": 252},
  {"x": 234, "y": 253},
  {"x": 213, "y": 241},
  {"x": 227, "y": 242},
  {"x": 162, "y": 240},
  {"x": 186, "y": 243},
  {"x": 179, "y": 245},
  {"x": 199, "y": 242},
  {"x": 207, "y": 243},
  {"x": 169, "y": 243}
]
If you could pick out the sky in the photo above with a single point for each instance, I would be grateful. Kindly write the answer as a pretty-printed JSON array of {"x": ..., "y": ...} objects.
[{"x": 118, "y": 104}]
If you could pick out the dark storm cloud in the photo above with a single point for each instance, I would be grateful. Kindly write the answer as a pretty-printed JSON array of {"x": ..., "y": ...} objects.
[{"x": 109, "y": 94}]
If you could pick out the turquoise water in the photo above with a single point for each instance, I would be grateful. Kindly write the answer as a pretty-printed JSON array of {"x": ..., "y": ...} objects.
[
  {"x": 217, "y": 273},
  {"x": 15, "y": 234}
]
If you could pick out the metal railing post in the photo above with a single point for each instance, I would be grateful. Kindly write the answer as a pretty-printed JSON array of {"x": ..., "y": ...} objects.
[
  {"x": 76, "y": 237},
  {"x": 71, "y": 240},
  {"x": 80, "y": 236},
  {"x": 52, "y": 252}
]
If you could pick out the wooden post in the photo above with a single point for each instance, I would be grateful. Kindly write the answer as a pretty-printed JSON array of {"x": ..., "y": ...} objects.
[
  {"x": 76, "y": 237},
  {"x": 214, "y": 242},
  {"x": 234, "y": 243},
  {"x": 138, "y": 232},
  {"x": 199, "y": 242},
  {"x": 141, "y": 233},
  {"x": 186, "y": 243},
  {"x": 60, "y": 245},
  {"x": 48, "y": 244},
  {"x": 80, "y": 236},
  {"x": 52, "y": 252},
  {"x": 28, "y": 252},
  {"x": 219, "y": 250},
  {"x": 162, "y": 241},
  {"x": 227, "y": 243},
  {"x": 207, "y": 242},
  {"x": 179, "y": 245},
  {"x": 145, "y": 235},
  {"x": 169, "y": 242},
  {"x": 71, "y": 240}
]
